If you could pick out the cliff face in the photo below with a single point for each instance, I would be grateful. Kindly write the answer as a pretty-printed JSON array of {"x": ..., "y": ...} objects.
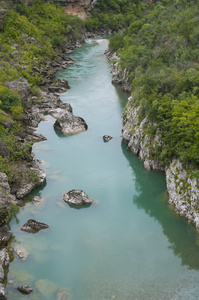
[{"x": 182, "y": 186}]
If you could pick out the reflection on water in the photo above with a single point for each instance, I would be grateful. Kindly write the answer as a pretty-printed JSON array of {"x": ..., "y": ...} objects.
[
  {"x": 183, "y": 238},
  {"x": 128, "y": 244}
]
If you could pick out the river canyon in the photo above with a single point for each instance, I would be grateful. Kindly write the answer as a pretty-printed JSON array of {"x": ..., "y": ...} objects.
[{"x": 129, "y": 244}]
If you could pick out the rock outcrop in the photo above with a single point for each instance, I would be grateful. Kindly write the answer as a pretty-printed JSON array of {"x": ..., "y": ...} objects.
[
  {"x": 27, "y": 177},
  {"x": 77, "y": 197},
  {"x": 67, "y": 123},
  {"x": 182, "y": 186},
  {"x": 138, "y": 141},
  {"x": 6, "y": 198},
  {"x": 183, "y": 189},
  {"x": 119, "y": 75}
]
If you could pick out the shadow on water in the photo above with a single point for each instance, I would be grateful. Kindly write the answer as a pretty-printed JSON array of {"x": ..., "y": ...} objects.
[{"x": 183, "y": 237}]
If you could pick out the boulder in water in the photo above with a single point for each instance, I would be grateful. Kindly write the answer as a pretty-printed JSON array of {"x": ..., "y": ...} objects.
[
  {"x": 33, "y": 226},
  {"x": 67, "y": 123},
  {"x": 21, "y": 252},
  {"x": 77, "y": 197},
  {"x": 25, "y": 289},
  {"x": 107, "y": 138}
]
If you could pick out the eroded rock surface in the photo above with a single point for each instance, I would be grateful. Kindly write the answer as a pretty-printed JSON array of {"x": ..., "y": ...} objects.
[
  {"x": 33, "y": 226},
  {"x": 5, "y": 236},
  {"x": 77, "y": 197},
  {"x": 25, "y": 289},
  {"x": 21, "y": 252},
  {"x": 2, "y": 291},
  {"x": 107, "y": 138},
  {"x": 28, "y": 177},
  {"x": 67, "y": 123}
]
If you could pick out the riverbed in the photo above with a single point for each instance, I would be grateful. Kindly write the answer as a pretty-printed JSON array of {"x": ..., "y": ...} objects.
[{"x": 129, "y": 244}]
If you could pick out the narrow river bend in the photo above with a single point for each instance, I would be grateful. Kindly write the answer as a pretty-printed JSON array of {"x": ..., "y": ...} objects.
[{"x": 129, "y": 244}]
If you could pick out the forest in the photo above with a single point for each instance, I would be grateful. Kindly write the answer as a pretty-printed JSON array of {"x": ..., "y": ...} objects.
[{"x": 160, "y": 50}]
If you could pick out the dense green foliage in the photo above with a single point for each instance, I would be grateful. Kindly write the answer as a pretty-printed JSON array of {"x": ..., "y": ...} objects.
[
  {"x": 31, "y": 38},
  {"x": 31, "y": 35},
  {"x": 114, "y": 14},
  {"x": 160, "y": 51}
]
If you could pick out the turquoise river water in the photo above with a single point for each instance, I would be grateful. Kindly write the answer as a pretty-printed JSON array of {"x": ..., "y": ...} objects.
[{"x": 129, "y": 244}]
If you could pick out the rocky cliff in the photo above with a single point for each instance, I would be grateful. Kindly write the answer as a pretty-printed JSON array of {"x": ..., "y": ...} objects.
[{"x": 182, "y": 186}]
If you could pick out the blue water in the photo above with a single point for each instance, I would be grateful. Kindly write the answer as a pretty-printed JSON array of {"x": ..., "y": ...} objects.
[{"x": 129, "y": 244}]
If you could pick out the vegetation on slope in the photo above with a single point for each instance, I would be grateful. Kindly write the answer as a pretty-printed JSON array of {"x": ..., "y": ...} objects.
[
  {"x": 30, "y": 38},
  {"x": 160, "y": 51},
  {"x": 114, "y": 14}
]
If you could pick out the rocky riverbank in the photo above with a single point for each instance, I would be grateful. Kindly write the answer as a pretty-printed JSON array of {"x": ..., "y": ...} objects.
[
  {"x": 182, "y": 186},
  {"x": 27, "y": 174}
]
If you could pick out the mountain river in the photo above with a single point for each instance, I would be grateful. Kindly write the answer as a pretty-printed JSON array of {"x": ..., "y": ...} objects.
[{"x": 129, "y": 244}]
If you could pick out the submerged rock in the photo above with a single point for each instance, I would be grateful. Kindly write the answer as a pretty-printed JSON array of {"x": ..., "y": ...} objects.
[
  {"x": 107, "y": 138},
  {"x": 21, "y": 252},
  {"x": 38, "y": 201},
  {"x": 24, "y": 186},
  {"x": 77, "y": 197},
  {"x": 67, "y": 123},
  {"x": 33, "y": 226},
  {"x": 25, "y": 289},
  {"x": 63, "y": 294},
  {"x": 46, "y": 287}
]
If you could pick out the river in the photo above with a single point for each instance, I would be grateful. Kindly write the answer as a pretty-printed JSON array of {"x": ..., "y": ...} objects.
[{"x": 129, "y": 244}]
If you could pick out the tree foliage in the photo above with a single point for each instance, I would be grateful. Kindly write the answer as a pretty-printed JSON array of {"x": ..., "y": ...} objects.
[{"x": 160, "y": 51}]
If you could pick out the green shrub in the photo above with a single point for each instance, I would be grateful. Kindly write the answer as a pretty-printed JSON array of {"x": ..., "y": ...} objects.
[{"x": 8, "y": 99}]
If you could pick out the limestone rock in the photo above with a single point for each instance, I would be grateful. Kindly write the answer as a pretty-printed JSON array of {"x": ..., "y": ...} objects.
[
  {"x": 2, "y": 291},
  {"x": 5, "y": 236},
  {"x": 2, "y": 274},
  {"x": 67, "y": 123},
  {"x": 33, "y": 226},
  {"x": 77, "y": 197},
  {"x": 183, "y": 191},
  {"x": 59, "y": 86},
  {"x": 21, "y": 252},
  {"x": 26, "y": 185},
  {"x": 107, "y": 138},
  {"x": 138, "y": 141},
  {"x": 25, "y": 289},
  {"x": 119, "y": 76},
  {"x": 6, "y": 198},
  {"x": 4, "y": 258}
]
